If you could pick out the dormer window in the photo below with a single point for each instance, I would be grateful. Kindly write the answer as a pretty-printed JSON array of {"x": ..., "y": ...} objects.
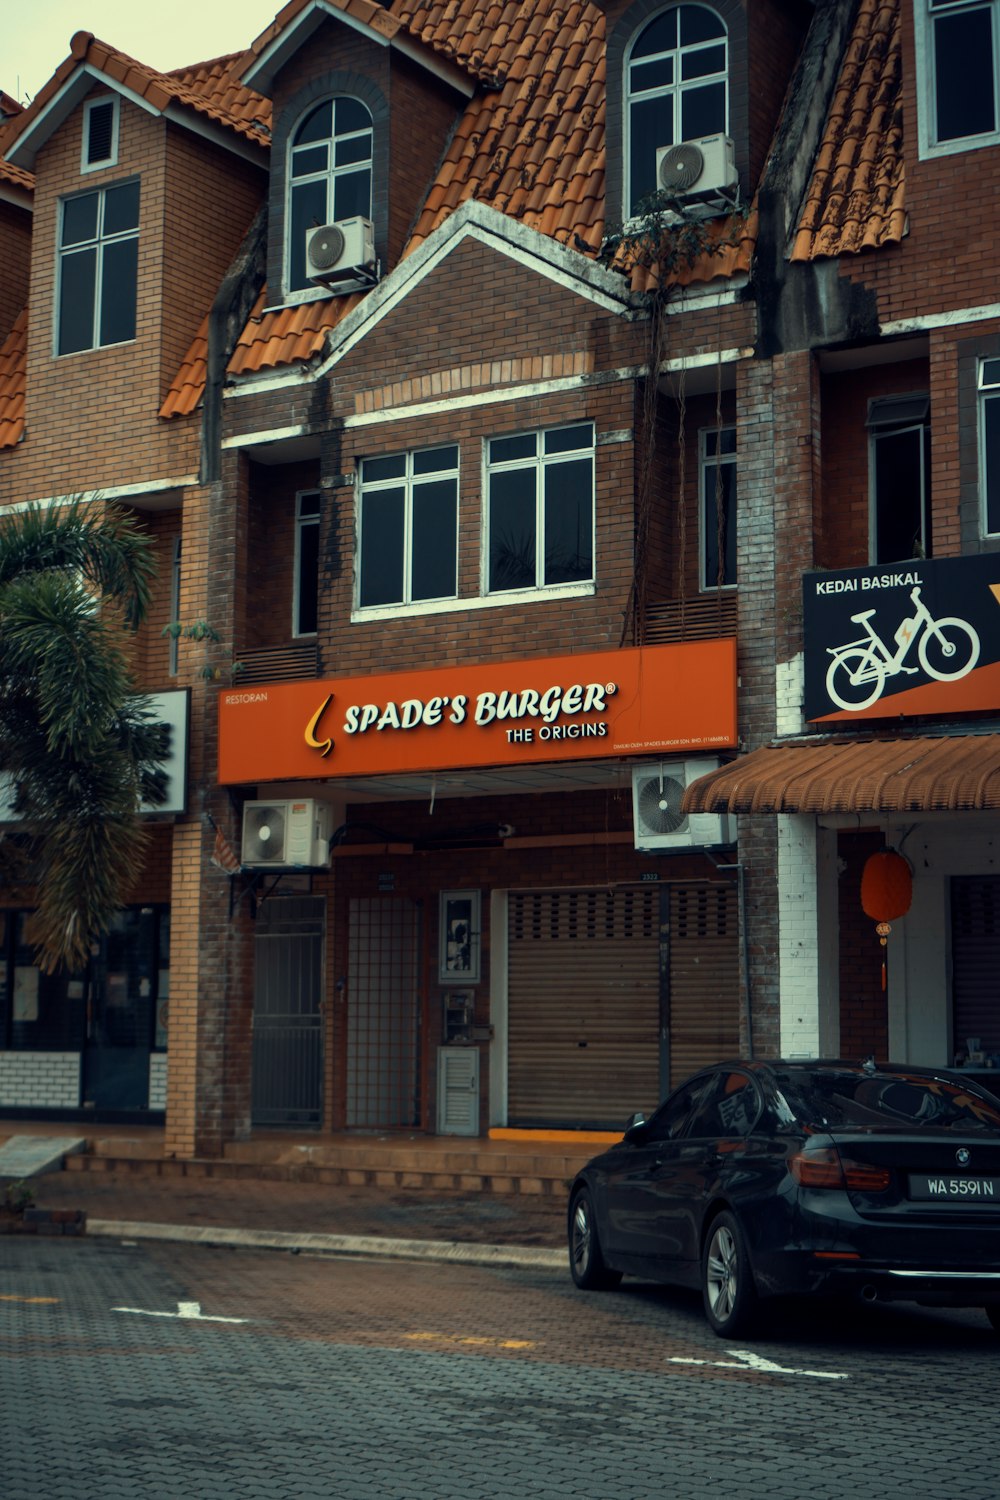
[
  {"x": 329, "y": 176},
  {"x": 676, "y": 87}
]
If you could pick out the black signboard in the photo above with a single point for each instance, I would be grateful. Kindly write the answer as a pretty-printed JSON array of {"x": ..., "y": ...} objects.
[{"x": 891, "y": 641}]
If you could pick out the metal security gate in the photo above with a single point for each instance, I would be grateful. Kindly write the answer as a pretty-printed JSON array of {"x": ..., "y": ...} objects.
[
  {"x": 614, "y": 996},
  {"x": 287, "y": 1011},
  {"x": 583, "y": 1006},
  {"x": 975, "y": 956},
  {"x": 383, "y": 1023},
  {"x": 703, "y": 967}
]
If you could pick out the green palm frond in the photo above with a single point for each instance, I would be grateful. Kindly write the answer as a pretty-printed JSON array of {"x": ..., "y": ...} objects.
[{"x": 76, "y": 740}]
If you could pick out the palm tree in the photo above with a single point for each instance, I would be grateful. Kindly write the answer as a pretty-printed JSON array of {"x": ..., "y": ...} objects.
[{"x": 76, "y": 742}]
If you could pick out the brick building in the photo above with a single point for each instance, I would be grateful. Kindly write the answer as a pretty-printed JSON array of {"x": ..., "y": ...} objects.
[{"x": 513, "y": 533}]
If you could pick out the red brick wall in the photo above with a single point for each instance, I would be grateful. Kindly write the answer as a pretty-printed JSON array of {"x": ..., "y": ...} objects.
[
  {"x": 270, "y": 554},
  {"x": 196, "y": 203}
]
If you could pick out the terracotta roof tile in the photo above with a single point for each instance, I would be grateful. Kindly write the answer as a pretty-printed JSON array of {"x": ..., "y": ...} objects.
[
  {"x": 14, "y": 176},
  {"x": 855, "y": 199},
  {"x": 13, "y": 365},
  {"x": 856, "y": 775},
  {"x": 522, "y": 137},
  {"x": 530, "y": 144},
  {"x": 212, "y": 89},
  {"x": 189, "y": 383}
]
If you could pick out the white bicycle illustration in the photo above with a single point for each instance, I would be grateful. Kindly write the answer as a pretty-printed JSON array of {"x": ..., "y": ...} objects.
[{"x": 947, "y": 649}]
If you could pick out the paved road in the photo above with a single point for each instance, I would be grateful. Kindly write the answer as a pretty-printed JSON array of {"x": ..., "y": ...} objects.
[{"x": 344, "y": 1378}]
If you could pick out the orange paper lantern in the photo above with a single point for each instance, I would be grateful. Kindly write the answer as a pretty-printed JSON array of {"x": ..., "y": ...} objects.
[{"x": 886, "y": 886}]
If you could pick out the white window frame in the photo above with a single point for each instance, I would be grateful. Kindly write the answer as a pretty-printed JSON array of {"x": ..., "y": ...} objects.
[
  {"x": 458, "y": 959},
  {"x": 99, "y": 242},
  {"x": 928, "y": 144},
  {"x": 539, "y": 463},
  {"x": 111, "y": 160},
  {"x": 301, "y": 523},
  {"x": 987, "y": 391},
  {"x": 883, "y": 422},
  {"x": 710, "y": 462},
  {"x": 329, "y": 175},
  {"x": 408, "y": 481},
  {"x": 674, "y": 90}
]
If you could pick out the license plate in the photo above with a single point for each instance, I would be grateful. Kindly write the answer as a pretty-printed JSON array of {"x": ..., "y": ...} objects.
[{"x": 956, "y": 1189}]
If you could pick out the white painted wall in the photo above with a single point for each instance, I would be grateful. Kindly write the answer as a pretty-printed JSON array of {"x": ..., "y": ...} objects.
[{"x": 807, "y": 938}]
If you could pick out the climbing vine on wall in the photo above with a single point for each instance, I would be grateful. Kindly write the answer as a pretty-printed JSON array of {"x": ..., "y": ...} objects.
[{"x": 667, "y": 239}]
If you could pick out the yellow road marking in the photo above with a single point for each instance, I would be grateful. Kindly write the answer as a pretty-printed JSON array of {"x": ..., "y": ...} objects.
[
  {"x": 477, "y": 1340},
  {"x": 10, "y": 1297}
]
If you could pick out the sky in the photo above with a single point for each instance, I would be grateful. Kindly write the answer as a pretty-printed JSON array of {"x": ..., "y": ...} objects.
[{"x": 36, "y": 34}]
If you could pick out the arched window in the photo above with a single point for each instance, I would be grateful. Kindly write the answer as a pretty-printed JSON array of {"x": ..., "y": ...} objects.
[
  {"x": 329, "y": 176},
  {"x": 676, "y": 88}
]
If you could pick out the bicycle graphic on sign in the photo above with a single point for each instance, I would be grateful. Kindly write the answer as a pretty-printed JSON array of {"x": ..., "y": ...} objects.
[{"x": 947, "y": 649}]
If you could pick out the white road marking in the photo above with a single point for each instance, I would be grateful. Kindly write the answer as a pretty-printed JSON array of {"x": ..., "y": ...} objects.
[
  {"x": 745, "y": 1359},
  {"x": 190, "y": 1311}
]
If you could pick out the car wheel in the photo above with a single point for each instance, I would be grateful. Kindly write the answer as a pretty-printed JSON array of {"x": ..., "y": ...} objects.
[
  {"x": 727, "y": 1287},
  {"x": 992, "y": 1311},
  {"x": 587, "y": 1265}
]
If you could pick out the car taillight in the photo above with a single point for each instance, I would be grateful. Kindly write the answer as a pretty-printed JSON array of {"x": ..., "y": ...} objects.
[{"x": 827, "y": 1169}]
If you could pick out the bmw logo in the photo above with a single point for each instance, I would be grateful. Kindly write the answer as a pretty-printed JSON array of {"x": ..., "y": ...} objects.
[{"x": 963, "y": 1156}]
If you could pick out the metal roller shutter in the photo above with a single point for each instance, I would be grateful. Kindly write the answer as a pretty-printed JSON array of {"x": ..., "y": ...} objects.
[
  {"x": 584, "y": 1006},
  {"x": 704, "y": 970},
  {"x": 975, "y": 941},
  {"x": 597, "y": 983}
]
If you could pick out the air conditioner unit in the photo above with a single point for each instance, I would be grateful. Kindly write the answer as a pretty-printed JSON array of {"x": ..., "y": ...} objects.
[
  {"x": 656, "y": 808},
  {"x": 700, "y": 172},
  {"x": 341, "y": 256},
  {"x": 286, "y": 835}
]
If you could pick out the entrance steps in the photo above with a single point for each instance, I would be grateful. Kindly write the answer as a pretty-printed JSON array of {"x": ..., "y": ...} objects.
[{"x": 536, "y": 1163}]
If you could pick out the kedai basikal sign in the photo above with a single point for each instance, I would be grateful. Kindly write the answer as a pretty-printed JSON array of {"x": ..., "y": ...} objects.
[
  {"x": 893, "y": 641},
  {"x": 640, "y": 701}
]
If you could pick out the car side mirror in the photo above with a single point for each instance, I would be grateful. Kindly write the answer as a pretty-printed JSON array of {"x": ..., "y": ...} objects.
[{"x": 636, "y": 1127}]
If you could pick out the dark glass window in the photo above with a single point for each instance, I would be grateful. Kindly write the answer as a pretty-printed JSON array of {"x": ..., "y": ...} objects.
[
  {"x": 98, "y": 268},
  {"x": 900, "y": 478},
  {"x": 306, "y": 563},
  {"x": 673, "y": 1117},
  {"x": 965, "y": 66},
  {"x": 409, "y": 528},
  {"x": 329, "y": 175},
  {"x": 718, "y": 507},
  {"x": 676, "y": 89},
  {"x": 540, "y": 500}
]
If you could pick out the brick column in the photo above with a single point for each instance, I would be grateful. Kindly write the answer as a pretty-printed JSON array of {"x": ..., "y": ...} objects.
[
  {"x": 211, "y": 999},
  {"x": 778, "y": 452}
]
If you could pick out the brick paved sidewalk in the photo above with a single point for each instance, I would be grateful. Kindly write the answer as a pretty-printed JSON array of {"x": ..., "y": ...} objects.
[{"x": 309, "y": 1208}]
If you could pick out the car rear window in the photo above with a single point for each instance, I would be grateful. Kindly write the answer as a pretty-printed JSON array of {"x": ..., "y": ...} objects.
[{"x": 829, "y": 1098}]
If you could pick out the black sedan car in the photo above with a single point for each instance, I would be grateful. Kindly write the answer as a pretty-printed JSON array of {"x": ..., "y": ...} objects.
[{"x": 767, "y": 1179}]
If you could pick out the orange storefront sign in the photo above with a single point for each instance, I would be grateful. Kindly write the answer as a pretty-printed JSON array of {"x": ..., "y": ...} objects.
[{"x": 642, "y": 701}]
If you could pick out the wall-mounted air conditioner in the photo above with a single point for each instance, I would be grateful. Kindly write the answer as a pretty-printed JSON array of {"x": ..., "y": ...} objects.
[
  {"x": 700, "y": 172},
  {"x": 341, "y": 256},
  {"x": 286, "y": 835},
  {"x": 658, "y": 822}
]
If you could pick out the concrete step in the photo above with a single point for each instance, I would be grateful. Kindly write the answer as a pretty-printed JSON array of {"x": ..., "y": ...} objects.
[{"x": 489, "y": 1175}]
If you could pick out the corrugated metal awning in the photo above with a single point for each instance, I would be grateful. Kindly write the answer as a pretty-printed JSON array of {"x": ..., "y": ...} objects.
[{"x": 959, "y": 773}]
